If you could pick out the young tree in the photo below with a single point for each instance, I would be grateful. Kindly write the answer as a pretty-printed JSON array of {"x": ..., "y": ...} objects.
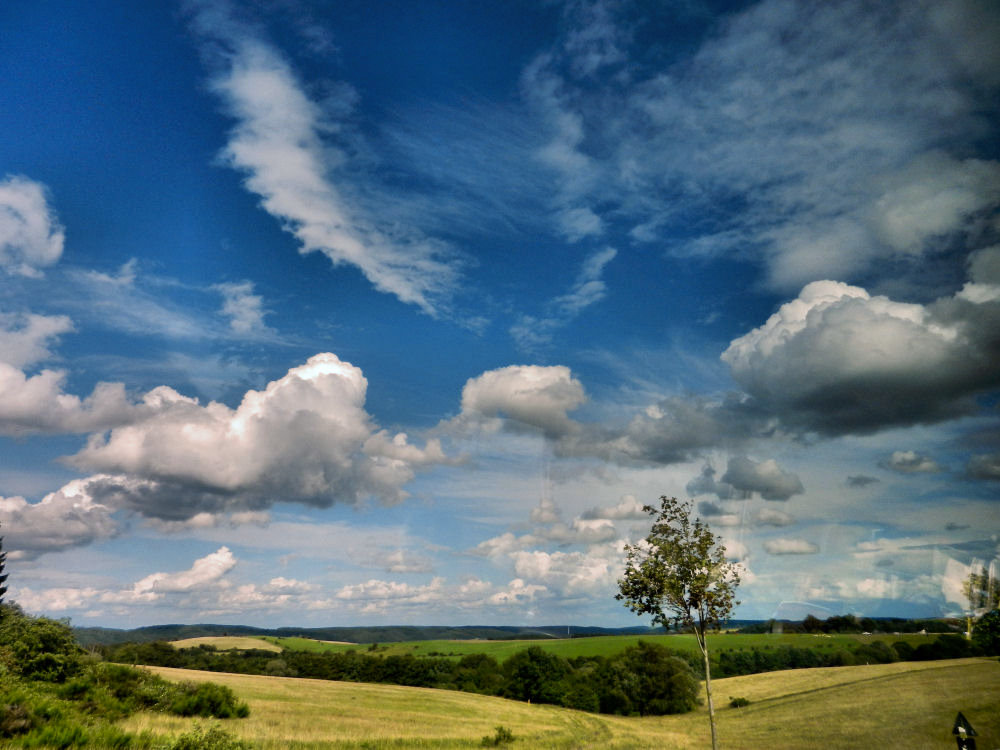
[
  {"x": 981, "y": 589},
  {"x": 679, "y": 575},
  {"x": 3, "y": 576}
]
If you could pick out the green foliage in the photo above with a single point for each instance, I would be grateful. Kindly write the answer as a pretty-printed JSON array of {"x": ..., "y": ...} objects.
[
  {"x": 679, "y": 573},
  {"x": 206, "y": 699},
  {"x": 535, "y": 676},
  {"x": 211, "y": 738},
  {"x": 3, "y": 574},
  {"x": 52, "y": 696},
  {"x": 982, "y": 590},
  {"x": 37, "y": 648},
  {"x": 738, "y": 702},
  {"x": 986, "y": 632},
  {"x": 502, "y": 736},
  {"x": 662, "y": 683}
]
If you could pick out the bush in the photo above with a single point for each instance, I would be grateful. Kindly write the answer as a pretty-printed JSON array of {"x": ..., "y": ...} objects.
[
  {"x": 738, "y": 702},
  {"x": 38, "y": 648},
  {"x": 502, "y": 737},
  {"x": 206, "y": 699},
  {"x": 212, "y": 738}
]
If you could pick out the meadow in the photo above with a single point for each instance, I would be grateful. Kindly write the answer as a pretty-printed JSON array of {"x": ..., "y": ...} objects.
[
  {"x": 592, "y": 646},
  {"x": 910, "y": 705}
]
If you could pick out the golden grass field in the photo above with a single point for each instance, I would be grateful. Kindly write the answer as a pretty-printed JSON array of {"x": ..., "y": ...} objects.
[
  {"x": 905, "y": 705},
  {"x": 224, "y": 643}
]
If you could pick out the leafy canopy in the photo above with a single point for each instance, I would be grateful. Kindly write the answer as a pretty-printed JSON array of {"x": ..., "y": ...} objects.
[{"x": 679, "y": 573}]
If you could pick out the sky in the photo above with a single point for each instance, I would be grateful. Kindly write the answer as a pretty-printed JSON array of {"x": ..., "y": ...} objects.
[{"x": 354, "y": 313}]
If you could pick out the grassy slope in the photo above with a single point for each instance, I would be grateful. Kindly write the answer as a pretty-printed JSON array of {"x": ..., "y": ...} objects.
[
  {"x": 225, "y": 643},
  {"x": 600, "y": 645},
  {"x": 908, "y": 705}
]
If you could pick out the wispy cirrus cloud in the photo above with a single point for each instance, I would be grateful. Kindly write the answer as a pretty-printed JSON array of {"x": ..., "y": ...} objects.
[
  {"x": 282, "y": 141},
  {"x": 831, "y": 144},
  {"x": 531, "y": 332}
]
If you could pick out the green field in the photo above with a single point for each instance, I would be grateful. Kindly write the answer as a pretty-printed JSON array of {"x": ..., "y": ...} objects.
[
  {"x": 600, "y": 645},
  {"x": 911, "y": 705}
]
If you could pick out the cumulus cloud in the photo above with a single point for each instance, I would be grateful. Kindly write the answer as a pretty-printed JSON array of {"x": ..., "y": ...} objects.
[
  {"x": 837, "y": 360},
  {"x": 571, "y": 573},
  {"x": 280, "y": 142},
  {"x": 244, "y": 309},
  {"x": 706, "y": 484},
  {"x": 790, "y": 547},
  {"x": 38, "y": 404},
  {"x": 305, "y": 438},
  {"x": 402, "y": 561},
  {"x": 628, "y": 509},
  {"x": 25, "y": 339},
  {"x": 204, "y": 572},
  {"x": 30, "y": 234},
  {"x": 528, "y": 396},
  {"x": 68, "y": 517},
  {"x": 674, "y": 430},
  {"x": 911, "y": 462},
  {"x": 773, "y": 517},
  {"x": 765, "y": 477}
]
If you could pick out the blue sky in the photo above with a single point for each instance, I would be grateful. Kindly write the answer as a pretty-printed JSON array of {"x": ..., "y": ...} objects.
[{"x": 332, "y": 315}]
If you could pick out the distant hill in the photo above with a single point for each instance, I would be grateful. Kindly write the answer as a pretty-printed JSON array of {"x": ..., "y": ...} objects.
[{"x": 374, "y": 634}]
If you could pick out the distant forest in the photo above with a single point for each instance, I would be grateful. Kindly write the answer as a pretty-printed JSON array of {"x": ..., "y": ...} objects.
[{"x": 399, "y": 633}]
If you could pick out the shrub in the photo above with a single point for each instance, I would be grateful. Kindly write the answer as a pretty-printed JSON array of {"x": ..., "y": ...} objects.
[
  {"x": 502, "y": 736},
  {"x": 38, "y": 648},
  {"x": 211, "y": 738},
  {"x": 738, "y": 702},
  {"x": 206, "y": 699}
]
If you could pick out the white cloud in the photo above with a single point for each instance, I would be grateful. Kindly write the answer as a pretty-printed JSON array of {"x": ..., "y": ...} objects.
[
  {"x": 516, "y": 592},
  {"x": 531, "y": 332},
  {"x": 38, "y": 404},
  {"x": 911, "y": 462},
  {"x": 30, "y": 234},
  {"x": 402, "y": 561},
  {"x": 932, "y": 197},
  {"x": 25, "y": 339},
  {"x": 205, "y": 572},
  {"x": 571, "y": 573},
  {"x": 305, "y": 438},
  {"x": 628, "y": 509},
  {"x": 837, "y": 360},
  {"x": 529, "y": 396},
  {"x": 790, "y": 547},
  {"x": 772, "y": 517},
  {"x": 244, "y": 309},
  {"x": 829, "y": 142},
  {"x": 68, "y": 517},
  {"x": 279, "y": 144}
]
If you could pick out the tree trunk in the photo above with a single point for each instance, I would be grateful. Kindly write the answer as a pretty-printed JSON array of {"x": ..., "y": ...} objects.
[{"x": 708, "y": 690}]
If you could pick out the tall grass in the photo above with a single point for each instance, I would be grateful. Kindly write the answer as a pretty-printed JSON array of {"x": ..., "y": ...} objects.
[{"x": 908, "y": 705}]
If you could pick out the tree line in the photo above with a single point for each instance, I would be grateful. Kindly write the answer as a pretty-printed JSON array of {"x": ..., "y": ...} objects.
[{"x": 645, "y": 679}]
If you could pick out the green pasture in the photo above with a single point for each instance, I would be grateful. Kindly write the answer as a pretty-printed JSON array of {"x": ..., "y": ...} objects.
[
  {"x": 906, "y": 704},
  {"x": 599, "y": 645}
]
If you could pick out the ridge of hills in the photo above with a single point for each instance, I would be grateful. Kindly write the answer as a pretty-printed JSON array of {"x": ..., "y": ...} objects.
[{"x": 92, "y": 636}]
